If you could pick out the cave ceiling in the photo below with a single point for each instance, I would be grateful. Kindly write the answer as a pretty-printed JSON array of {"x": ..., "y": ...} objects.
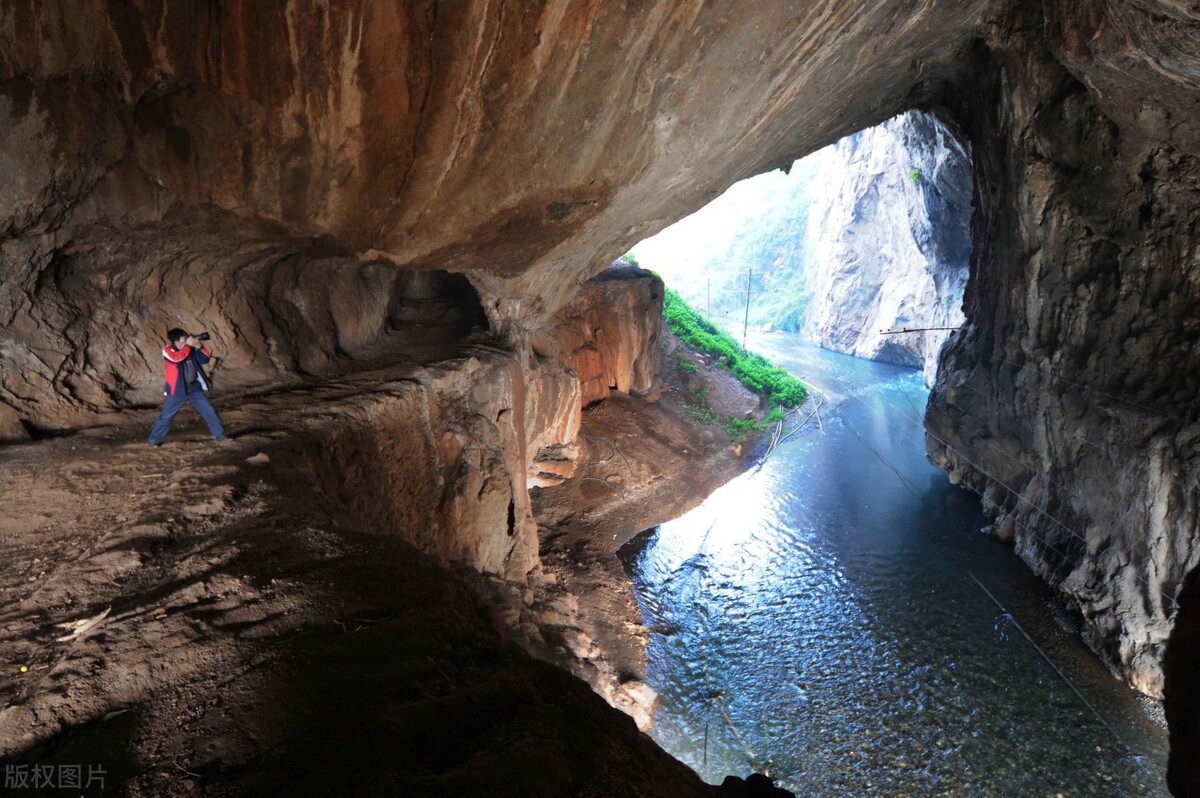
[
  {"x": 525, "y": 144},
  {"x": 527, "y": 140}
]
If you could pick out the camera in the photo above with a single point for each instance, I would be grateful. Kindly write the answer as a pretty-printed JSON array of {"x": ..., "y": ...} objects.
[{"x": 202, "y": 336}]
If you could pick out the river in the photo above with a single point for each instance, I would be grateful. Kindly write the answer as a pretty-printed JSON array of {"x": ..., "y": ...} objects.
[{"x": 820, "y": 620}]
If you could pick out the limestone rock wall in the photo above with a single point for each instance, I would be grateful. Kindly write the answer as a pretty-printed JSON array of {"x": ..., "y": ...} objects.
[
  {"x": 1069, "y": 400},
  {"x": 444, "y": 462},
  {"x": 447, "y": 462},
  {"x": 891, "y": 239},
  {"x": 440, "y": 463},
  {"x": 608, "y": 337},
  {"x": 82, "y": 325},
  {"x": 609, "y": 332}
]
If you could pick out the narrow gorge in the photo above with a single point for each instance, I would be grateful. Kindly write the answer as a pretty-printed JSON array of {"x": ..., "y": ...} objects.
[
  {"x": 863, "y": 245},
  {"x": 396, "y": 221},
  {"x": 891, "y": 237}
]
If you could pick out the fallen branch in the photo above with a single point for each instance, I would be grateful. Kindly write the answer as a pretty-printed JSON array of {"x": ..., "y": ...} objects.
[
  {"x": 780, "y": 440},
  {"x": 611, "y": 454},
  {"x": 605, "y": 481},
  {"x": 83, "y": 626},
  {"x": 185, "y": 770}
]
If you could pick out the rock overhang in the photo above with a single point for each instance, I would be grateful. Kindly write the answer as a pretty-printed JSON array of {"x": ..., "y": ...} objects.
[{"x": 526, "y": 145}]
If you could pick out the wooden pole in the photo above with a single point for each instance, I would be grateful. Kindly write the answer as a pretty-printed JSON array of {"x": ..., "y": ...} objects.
[
  {"x": 914, "y": 329},
  {"x": 746, "y": 322}
]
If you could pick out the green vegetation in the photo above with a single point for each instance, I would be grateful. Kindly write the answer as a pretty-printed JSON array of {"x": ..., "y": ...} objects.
[
  {"x": 739, "y": 428},
  {"x": 753, "y": 371},
  {"x": 914, "y": 175},
  {"x": 736, "y": 428},
  {"x": 631, "y": 259},
  {"x": 702, "y": 413}
]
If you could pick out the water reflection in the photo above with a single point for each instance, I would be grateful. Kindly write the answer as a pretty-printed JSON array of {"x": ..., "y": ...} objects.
[{"x": 815, "y": 620}]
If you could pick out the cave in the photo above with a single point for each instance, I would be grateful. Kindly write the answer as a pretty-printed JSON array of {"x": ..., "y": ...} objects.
[{"x": 386, "y": 215}]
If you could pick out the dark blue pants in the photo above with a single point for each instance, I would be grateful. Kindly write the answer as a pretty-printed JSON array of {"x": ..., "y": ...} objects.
[{"x": 173, "y": 403}]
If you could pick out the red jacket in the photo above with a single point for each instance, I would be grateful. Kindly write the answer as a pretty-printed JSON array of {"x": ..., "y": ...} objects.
[{"x": 174, "y": 360}]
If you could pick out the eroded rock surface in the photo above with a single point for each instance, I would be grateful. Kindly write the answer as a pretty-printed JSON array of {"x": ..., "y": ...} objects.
[
  {"x": 446, "y": 464},
  {"x": 640, "y": 464},
  {"x": 85, "y": 322},
  {"x": 890, "y": 226},
  {"x": 248, "y": 635},
  {"x": 609, "y": 332},
  {"x": 1069, "y": 399},
  {"x": 508, "y": 141}
]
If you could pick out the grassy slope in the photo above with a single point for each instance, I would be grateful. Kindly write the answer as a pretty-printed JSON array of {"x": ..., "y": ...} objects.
[{"x": 752, "y": 370}]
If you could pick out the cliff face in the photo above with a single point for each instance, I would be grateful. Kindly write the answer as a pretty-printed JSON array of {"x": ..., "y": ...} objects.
[
  {"x": 1069, "y": 398},
  {"x": 609, "y": 333},
  {"x": 447, "y": 465},
  {"x": 889, "y": 234}
]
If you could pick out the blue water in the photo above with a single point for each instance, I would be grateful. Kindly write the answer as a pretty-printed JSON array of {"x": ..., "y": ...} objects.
[{"x": 816, "y": 620}]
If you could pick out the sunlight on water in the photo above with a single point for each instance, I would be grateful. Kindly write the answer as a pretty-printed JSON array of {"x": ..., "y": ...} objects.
[{"x": 815, "y": 620}]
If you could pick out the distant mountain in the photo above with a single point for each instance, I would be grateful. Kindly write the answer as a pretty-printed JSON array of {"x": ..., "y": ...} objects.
[{"x": 756, "y": 229}]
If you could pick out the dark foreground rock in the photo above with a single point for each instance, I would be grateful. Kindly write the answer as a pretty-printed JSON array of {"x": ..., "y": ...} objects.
[
  {"x": 754, "y": 786},
  {"x": 1182, "y": 692},
  {"x": 260, "y": 640}
]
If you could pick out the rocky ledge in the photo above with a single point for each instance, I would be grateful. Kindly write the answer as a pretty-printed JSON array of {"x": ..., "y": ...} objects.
[{"x": 278, "y": 614}]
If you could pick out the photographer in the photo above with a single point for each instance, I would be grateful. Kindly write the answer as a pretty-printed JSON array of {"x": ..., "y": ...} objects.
[{"x": 186, "y": 381}]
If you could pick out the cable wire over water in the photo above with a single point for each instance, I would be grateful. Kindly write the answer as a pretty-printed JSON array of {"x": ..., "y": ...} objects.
[
  {"x": 1049, "y": 661},
  {"x": 1021, "y": 498}
]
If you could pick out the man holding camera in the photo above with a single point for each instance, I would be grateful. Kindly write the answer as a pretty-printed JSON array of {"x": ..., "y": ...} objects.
[{"x": 186, "y": 381}]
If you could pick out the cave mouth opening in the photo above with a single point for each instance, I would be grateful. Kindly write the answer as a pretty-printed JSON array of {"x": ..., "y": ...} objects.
[
  {"x": 436, "y": 297},
  {"x": 862, "y": 247}
]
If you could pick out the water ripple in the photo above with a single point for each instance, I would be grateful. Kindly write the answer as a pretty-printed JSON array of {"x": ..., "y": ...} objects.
[{"x": 814, "y": 620}]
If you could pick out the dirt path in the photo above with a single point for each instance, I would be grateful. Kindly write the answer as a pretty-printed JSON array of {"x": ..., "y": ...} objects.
[{"x": 254, "y": 642}]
